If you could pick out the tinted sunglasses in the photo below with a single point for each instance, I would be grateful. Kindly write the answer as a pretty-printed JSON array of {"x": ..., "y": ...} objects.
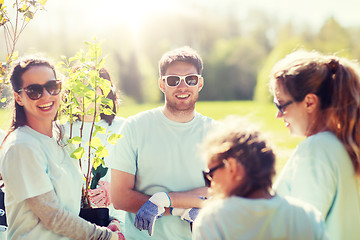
[
  {"x": 174, "y": 80},
  {"x": 35, "y": 91},
  {"x": 281, "y": 108},
  {"x": 208, "y": 175}
]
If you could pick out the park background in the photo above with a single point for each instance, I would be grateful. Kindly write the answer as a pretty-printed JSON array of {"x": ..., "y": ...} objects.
[{"x": 239, "y": 41}]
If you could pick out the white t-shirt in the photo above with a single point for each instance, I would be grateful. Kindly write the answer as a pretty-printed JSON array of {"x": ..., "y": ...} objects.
[
  {"x": 247, "y": 219},
  {"x": 320, "y": 172},
  {"x": 163, "y": 156},
  {"x": 32, "y": 164}
]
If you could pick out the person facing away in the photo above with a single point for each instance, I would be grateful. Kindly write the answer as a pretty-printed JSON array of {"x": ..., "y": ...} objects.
[
  {"x": 42, "y": 184},
  {"x": 318, "y": 96},
  {"x": 155, "y": 165},
  {"x": 242, "y": 206},
  {"x": 99, "y": 196}
]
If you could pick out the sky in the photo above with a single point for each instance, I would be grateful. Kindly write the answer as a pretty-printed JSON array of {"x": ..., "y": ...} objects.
[{"x": 105, "y": 13}]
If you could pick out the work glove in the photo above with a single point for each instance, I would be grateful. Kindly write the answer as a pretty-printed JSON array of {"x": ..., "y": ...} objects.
[
  {"x": 188, "y": 214},
  {"x": 153, "y": 209},
  {"x": 114, "y": 226},
  {"x": 100, "y": 197}
]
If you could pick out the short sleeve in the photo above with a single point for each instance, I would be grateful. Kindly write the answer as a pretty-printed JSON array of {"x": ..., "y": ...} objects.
[
  {"x": 24, "y": 171},
  {"x": 123, "y": 153}
]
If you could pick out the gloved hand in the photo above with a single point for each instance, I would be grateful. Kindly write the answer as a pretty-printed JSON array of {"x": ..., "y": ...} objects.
[
  {"x": 100, "y": 196},
  {"x": 188, "y": 214},
  {"x": 153, "y": 209},
  {"x": 114, "y": 226}
]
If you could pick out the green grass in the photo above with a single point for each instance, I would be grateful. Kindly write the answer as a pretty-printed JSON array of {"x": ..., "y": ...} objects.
[{"x": 262, "y": 115}]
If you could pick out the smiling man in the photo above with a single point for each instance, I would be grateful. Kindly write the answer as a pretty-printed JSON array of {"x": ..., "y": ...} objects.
[{"x": 156, "y": 171}]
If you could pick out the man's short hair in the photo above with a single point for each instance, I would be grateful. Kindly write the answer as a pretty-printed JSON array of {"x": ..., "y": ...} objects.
[{"x": 183, "y": 54}]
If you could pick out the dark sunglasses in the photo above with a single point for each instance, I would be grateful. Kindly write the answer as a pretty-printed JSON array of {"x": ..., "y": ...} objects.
[
  {"x": 208, "y": 174},
  {"x": 174, "y": 80},
  {"x": 35, "y": 91},
  {"x": 281, "y": 108}
]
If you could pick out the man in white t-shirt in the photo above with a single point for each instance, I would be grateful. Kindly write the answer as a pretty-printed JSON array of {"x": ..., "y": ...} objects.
[{"x": 155, "y": 166}]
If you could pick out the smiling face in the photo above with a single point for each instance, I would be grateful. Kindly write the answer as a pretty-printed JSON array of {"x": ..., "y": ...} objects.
[
  {"x": 182, "y": 98},
  {"x": 294, "y": 115},
  {"x": 40, "y": 112}
]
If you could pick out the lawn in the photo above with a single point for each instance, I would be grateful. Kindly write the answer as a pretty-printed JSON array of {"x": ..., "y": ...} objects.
[{"x": 262, "y": 115}]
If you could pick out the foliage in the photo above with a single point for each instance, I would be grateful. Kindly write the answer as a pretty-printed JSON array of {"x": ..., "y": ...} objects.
[
  {"x": 13, "y": 28},
  {"x": 83, "y": 98}
]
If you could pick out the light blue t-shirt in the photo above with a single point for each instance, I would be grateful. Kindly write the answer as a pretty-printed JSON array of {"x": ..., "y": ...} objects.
[
  {"x": 113, "y": 128},
  {"x": 32, "y": 164},
  {"x": 163, "y": 156},
  {"x": 247, "y": 219},
  {"x": 320, "y": 172}
]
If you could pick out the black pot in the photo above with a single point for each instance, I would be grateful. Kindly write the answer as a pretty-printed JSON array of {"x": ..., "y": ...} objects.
[{"x": 98, "y": 216}]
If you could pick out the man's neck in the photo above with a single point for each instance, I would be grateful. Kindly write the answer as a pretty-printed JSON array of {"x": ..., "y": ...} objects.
[{"x": 178, "y": 116}]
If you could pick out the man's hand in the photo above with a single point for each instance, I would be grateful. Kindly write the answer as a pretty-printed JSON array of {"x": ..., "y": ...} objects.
[
  {"x": 188, "y": 214},
  {"x": 153, "y": 209}
]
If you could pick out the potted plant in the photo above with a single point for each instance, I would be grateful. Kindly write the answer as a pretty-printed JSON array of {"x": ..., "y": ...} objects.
[{"x": 85, "y": 93}]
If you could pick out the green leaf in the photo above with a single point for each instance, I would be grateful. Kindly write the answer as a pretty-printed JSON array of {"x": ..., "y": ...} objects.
[
  {"x": 101, "y": 152},
  {"x": 107, "y": 111},
  {"x": 29, "y": 15},
  {"x": 3, "y": 100},
  {"x": 42, "y": 2},
  {"x": 78, "y": 153},
  {"x": 95, "y": 142},
  {"x": 99, "y": 129},
  {"x": 75, "y": 140},
  {"x": 114, "y": 138}
]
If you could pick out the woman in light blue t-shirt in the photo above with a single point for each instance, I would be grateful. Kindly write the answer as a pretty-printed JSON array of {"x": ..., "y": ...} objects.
[
  {"x": 318, "y": 97},
  {"x": 42, "y": 183}
]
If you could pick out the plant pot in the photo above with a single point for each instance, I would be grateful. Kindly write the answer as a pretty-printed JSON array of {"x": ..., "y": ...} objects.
[{"x": 98, "y": 216}]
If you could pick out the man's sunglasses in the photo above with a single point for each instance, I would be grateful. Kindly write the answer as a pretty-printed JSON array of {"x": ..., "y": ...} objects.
[
  {"x": 208, "y": 175},
  {"x": 35, "y": 91},
  {"x": 174, "y": 80}
]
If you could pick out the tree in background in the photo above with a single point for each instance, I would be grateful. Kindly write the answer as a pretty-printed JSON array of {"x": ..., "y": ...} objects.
[{"x": 13, "y": 28}]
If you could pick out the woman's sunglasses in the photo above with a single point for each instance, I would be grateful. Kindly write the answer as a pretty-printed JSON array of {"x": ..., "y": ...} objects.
[
  {"x": 208, "y": 175},
  {"x": 35, "y": 91},
  {"x": 174, "y": 80}
]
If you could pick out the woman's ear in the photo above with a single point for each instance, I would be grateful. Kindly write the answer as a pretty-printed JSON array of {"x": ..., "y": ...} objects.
[
  {"x": 311, "y": 102},
  {"x": 161, "y": 85},
  {"x": 18, "y": 99}
]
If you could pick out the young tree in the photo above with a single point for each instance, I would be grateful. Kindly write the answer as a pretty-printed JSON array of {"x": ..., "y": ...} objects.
[{"x": 13, "y": 28}]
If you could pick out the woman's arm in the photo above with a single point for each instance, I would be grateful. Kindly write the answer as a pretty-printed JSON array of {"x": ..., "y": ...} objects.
[{"x": 62, "y": 222}]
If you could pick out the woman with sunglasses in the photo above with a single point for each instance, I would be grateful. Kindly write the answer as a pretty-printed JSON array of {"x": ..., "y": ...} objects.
[
  {"x": 240, "y": 170},
  {"x": 318, "y": 97},
  {"x": 43, "y": 185}
]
